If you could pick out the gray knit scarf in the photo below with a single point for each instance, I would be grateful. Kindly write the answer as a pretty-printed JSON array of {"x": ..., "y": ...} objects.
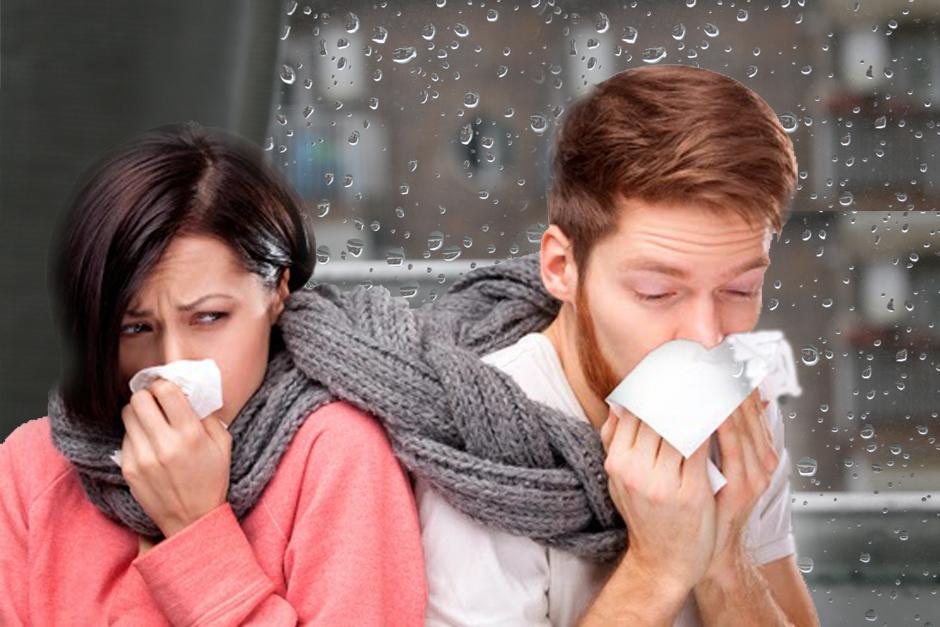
[{"x": 464, "y": 426}]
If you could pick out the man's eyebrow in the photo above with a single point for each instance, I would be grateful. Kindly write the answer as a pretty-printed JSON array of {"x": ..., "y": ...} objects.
[
  {"x": 137, "y": 313},
  {"x": 653, "y": 265}
]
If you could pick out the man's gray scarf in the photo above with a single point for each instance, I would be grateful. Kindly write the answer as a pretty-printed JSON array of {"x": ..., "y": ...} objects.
[{"x": 465, "y": 426}]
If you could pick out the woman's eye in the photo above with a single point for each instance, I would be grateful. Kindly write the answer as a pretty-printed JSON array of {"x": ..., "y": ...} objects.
[
  {"x": 133, "y": 329},
  {"x": 210, "y": 317}
]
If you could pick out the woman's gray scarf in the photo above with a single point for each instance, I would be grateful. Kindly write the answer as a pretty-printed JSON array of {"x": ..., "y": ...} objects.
[{"x": 464, "y": 426}]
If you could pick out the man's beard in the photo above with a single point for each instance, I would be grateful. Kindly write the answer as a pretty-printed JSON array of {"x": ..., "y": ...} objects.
[{"x": 597, "y": 371}]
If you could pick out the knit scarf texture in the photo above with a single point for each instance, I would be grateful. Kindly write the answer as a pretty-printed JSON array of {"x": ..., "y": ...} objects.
[{"x": 464, "y": 426}]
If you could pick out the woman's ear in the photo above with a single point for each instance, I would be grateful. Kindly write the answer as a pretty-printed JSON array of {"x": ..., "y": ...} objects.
[
  {"x": 559, "y": 271},
  {"x": 282, "y": 292}
]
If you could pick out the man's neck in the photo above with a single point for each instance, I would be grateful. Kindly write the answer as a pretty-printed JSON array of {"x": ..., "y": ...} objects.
[{"x": 562, "y": 333}]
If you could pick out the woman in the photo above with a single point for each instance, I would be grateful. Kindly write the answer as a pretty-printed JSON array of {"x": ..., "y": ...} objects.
[{"x": 282, "y": 507}]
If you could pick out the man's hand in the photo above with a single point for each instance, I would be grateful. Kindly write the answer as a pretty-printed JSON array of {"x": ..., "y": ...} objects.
[
  {"x": 177, "y": 466},
  {"x": 664, "y": 499},
  {"x": 748, "y": 461}
]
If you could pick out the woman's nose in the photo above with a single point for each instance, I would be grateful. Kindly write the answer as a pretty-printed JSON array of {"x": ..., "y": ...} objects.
[{"x": 172, "y": 349}]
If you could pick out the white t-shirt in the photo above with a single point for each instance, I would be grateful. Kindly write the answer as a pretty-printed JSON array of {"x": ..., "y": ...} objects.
[{"x": 482, "y": 576}]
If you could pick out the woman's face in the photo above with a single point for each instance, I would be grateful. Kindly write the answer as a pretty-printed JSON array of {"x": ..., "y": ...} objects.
[{"x": 199, "y": 302}]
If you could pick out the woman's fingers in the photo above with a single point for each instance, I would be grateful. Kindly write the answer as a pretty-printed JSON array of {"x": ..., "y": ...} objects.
[
  {"x": 149, "y": 416},
  {"x": 174, "y": 404}
]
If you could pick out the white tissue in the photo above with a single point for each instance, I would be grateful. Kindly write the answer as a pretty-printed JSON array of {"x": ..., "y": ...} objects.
[
  {"x": 684, "y": 392},
  {"x": 200, "y": 380}
]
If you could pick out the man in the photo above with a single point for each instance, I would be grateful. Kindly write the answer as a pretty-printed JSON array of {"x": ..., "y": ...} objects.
[{"x": 668, "y": 183}]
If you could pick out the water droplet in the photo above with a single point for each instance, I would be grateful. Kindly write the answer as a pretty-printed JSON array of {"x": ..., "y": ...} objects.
[
  {"x": 789, "y": 122},
  {"x": 654, "y": 55},
  {"x": 602, "y": 23},
  {"x": 395, "y": 257},
  {"x": 678, "y": 32},
  {"x": 288, "y": 75},
  {"x": 806, "y": 467},
  {"x": 428, "y": 31},
  {"x": 809, "y": 355},
  {"x": 629, "y": 35},
  {"x": 871, "y": 616},
  {"x": 323, "y": 208},
  {"x": 471, "y": 99},
  {"x": 435, "y": 240},
  {"x": 492, "y": 15},
  {"x": 846, "y": 199},
  {"x": 690, "y": 3},
  {"x": 353, "y": 138},
  {"x": 352, "y": 23},
  {"x": 881, "y": 122},
  {"x": 901, "y": 355},
  {"x": 308, "y": 111},
  {"x": 751, "y": 71},
  {"x": 461, "y": 29},
  {"x": 805, "y": 564},
  {"x": 538, "y": 123},
  {"x": 323, "y": 254},
  {"x": 710, "y": 29},
  {"x": 864, "y": 558},
  {"x": 466, "y": 134},
  {"x": 867, "y": 432},
  {"x": 533, "y": 234},
  {"x": 380, "y": 34},
  {"x": 404, "y": 54},
  {"x": 408, "y": 291},
  {"x": 354, "y": 246}
]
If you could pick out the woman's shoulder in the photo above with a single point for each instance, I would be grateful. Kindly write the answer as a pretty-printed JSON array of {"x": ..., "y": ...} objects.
[
  {"x": 340, "y": 427},
  {"x": 34, "y": 462}
]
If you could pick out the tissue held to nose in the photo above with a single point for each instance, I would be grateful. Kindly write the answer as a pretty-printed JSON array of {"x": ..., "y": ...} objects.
[
  {"x": 713, "y": 383},
  {"x": 200, "y": 381}
]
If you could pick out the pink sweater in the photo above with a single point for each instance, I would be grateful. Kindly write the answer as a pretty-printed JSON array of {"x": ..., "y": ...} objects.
[{"x": 333, "y": 540}]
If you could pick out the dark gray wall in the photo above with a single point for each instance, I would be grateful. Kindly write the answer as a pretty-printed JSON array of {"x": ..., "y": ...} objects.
[{"x": 77, "y": 78}]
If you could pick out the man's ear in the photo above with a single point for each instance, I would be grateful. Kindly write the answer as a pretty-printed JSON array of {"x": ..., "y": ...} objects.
[
  {"x": 559, "y": 271},
  {"x": 281, "y": 293}
]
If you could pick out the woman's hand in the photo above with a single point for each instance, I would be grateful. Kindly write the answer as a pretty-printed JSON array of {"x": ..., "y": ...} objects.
[{"x": 177, "y": 466}]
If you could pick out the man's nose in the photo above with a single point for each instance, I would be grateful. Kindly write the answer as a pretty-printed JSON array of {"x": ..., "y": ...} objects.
[{"x": 703, "y": 324}]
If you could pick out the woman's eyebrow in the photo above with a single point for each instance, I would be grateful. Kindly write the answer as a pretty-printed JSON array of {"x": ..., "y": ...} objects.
[{"x": 138, "y": 313}]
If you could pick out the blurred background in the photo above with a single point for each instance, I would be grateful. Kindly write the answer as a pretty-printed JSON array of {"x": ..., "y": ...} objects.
[{"x": 419, "y": 135}]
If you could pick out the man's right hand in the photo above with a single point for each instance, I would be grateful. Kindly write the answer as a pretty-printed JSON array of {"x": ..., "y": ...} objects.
[{"x": 665, "y": 500}]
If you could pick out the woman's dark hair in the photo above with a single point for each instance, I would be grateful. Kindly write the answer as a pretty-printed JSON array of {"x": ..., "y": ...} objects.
[{"x": 175, "y": 180}]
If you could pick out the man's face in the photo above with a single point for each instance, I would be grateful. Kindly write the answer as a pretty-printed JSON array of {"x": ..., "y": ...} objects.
[{"x": 667, "y": 272}]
